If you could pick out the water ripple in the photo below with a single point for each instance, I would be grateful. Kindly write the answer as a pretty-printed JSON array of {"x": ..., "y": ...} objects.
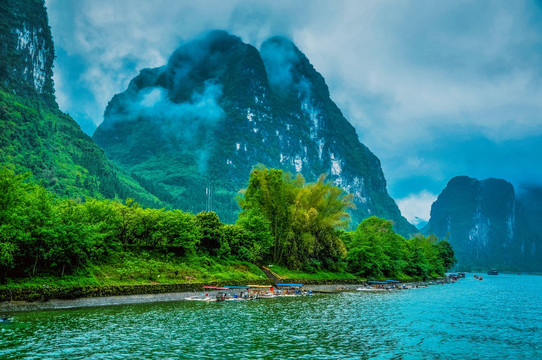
[{"x": 495, "y": 319}]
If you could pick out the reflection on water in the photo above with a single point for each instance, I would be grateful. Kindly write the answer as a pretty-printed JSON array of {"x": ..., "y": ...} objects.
[{"x": 498, "y": 318}]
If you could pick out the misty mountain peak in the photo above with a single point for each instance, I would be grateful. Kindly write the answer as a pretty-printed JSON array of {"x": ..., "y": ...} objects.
[
  {"x": 289, "y": 69},
  {"x": 220, "y": 107},
  {"x": 199, "y": 61}
]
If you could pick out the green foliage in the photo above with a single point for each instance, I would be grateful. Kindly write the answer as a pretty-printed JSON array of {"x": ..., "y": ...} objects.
[
  {"x": 286, "y": 273},
  {"x": 303, "y": 218},
  {"x": 261, "y": 240},
  {"x": 35, "y": 230},
  {"x": 446, "y": 253},
  {"x": 45, "y": 236},
  {"x": 372, "y": 253},
  {"x": 40, "y": 139},
  {"x": 376, "y": 251},
  {"x": 211, "y": 234}
]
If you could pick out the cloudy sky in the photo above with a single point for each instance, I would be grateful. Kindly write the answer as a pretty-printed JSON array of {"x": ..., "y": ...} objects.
[{"x": 435, "y": 89}]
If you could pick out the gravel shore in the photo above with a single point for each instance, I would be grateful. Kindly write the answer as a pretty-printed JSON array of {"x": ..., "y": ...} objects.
[{"x": 16, "y": 306}]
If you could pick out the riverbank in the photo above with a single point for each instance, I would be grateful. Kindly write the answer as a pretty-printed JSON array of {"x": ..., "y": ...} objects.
[
  {"x": 188, "y": 290},
  {"x": 45, "y": 292},
  {"x": 193, "y": 290}
]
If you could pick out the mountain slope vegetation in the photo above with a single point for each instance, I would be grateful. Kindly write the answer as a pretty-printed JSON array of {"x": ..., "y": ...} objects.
[{"x": 35, "y": 135}]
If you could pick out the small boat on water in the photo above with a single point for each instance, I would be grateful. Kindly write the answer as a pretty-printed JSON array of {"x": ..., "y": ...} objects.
[
  {"x": 291, "y": 290},
  {"x": 369, "y": 288},
  {"x": 201, "y": 298},
  {"x": 493, "y": 272},
  {"x": 380, "y": 285}
]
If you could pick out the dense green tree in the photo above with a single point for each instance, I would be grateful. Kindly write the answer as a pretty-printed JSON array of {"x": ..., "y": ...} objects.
[
  {"x": 71, "y": 240},
  {"x": 369, "y": 256},
  {"x": 303, "y": 218},
  {"x": 12, "y": 194},
  {"x": 177, "y": 229},
  {"x": 446, "y": 253},
  {"x": 318, "y": 211},
  {"x": 211, "y": 233},
  {"x": 375, "y": 250},
  {"x": 258, "y": 228},
  {"x": 269, "y": 193},
  {"x": 417, "y": 264},
  {"x": 240, "y": 242}
]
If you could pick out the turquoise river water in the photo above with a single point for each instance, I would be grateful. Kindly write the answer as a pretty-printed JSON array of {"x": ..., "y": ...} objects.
[{"x": 497, "y": 318}]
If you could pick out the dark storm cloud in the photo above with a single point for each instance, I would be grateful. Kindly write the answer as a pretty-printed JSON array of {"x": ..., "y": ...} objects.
[{"x": 434, "y": 89}]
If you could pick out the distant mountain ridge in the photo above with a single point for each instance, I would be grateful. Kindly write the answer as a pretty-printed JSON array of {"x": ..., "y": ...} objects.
[
  {"x": 488, "y": 225},
  {"x": 218, "y": 108},
  {"x": 34, "y": 134}
]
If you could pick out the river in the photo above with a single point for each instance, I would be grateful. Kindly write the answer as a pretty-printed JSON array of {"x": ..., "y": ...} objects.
[{"x": 497, "y": 318}]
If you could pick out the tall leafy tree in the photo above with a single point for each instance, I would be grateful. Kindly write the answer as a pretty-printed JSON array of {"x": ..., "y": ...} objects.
[
  {"x": 304, "y": 218},
  {"x": 258, "y": 229},
  {"x": 211, "y": 233},
  {"x": 269, "y": 193}
]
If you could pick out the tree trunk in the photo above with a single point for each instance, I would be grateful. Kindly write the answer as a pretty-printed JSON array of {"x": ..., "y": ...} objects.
[{"x": 35, "y": 264}]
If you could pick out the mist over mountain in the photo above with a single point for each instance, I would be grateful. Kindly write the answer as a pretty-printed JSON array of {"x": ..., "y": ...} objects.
[
  {"x": 218, "y": 108},
  {"x": 488, "y": 224},
  {"x": 35, "y": 135}
]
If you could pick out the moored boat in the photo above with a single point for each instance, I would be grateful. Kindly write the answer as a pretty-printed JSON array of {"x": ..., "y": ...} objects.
[
  {"x": 369, "y": 288},
  {"x": 291, "y": 290},
  {"x": 493, "y": 272},
  {"x": 200, "y": 298}
]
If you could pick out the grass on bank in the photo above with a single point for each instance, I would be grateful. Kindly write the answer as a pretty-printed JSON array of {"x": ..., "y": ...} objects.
[
  {"x": 286, "y": 273},
  {"x": 142, "y": 268},
  {"x": 149, "y": 268}
]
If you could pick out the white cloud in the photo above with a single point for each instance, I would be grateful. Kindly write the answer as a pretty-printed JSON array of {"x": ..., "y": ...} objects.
[
  {"x": 417, "y": 207},
  {"x": 408, "y": 75}
]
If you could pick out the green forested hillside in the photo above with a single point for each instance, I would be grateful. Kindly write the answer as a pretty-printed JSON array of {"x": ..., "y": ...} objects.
[
  {"x": 35, "y": 135},
  {"x": 41, "y": 139}
]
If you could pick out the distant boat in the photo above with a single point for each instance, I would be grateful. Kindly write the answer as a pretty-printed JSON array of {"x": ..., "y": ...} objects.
[{"x": 493, "y": 272}]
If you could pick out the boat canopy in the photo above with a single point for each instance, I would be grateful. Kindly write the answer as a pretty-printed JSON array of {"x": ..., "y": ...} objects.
[
  {"x": 393, "y": 281},
  {"x": 376, "y": 282},
  {"x": 290, "y": 285},
  {"x": 260, "y": 286}
]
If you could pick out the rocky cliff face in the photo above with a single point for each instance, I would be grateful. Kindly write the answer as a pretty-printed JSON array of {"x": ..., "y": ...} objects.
[
  {"x": 529, "y": 218},
  {"x": 34, "y": 134},
  {"x": 196, "y": 127},
  {"x": 26, "y": 49},
  {"x": 480, "y": 219}
]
